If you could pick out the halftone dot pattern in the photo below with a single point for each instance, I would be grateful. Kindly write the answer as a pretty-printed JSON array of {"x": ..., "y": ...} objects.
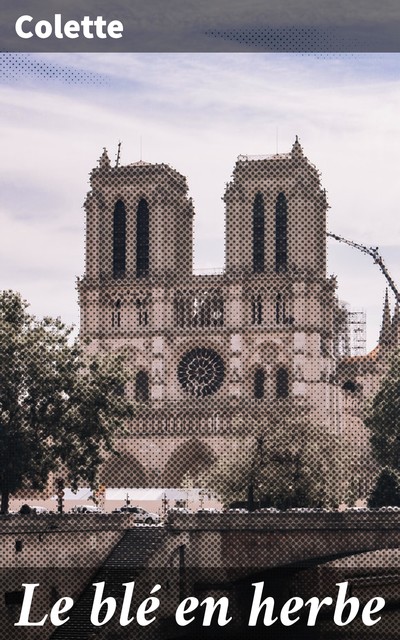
[
  {"x": 235, "y": 387},
  {"x": 17, "y": 66},
  {"x": 289, "y": 39}
]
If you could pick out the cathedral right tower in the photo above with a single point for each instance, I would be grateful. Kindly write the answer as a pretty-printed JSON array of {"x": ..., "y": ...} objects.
[{"x": 276, "y": 246}]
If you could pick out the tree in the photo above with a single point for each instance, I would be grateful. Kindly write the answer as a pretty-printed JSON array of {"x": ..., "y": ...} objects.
[
  {"x": 384, "y": 420},
  {"x": 289, "y": 462},
  {"x": 59, "y": 408},
  {"x": 386, "y": 492}
]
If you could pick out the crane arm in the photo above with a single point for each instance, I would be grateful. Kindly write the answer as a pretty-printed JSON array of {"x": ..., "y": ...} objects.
[
  {"x": 374, "y": 253},
  {"x": 383, "y": 268}
]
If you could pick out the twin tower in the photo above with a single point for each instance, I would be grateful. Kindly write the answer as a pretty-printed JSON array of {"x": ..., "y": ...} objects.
[{"x": 213, "y": 359}]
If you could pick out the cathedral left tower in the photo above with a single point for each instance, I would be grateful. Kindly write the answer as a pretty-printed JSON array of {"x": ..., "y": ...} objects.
[{"x": 139, "y": 225}]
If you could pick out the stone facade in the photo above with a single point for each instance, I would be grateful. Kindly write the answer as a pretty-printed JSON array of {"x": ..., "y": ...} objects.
[{"x": 210, "y": 356}]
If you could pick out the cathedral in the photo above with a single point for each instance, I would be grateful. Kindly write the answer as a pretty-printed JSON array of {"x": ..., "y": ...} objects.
[{"x": 211, "y": 356}]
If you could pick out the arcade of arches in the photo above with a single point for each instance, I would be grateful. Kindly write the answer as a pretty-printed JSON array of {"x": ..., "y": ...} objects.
[{"x": 184, "y": 464}]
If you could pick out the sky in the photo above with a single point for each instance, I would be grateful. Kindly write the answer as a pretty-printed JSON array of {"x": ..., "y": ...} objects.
[{"x": 196, "y": 112}]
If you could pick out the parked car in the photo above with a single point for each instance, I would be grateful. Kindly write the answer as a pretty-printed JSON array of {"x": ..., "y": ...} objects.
[
  {"x": 268, "y": 510},
  {"x": 89, "y": 508},
  {"x": 179, "y": 510},
  {"x": 208, "y": 510},
  {"x": 28, "y": 510},
  {"x": 140, "y": 515},
  {"x": 306, "y": 510},
  {"x": 37, "y": 509}
]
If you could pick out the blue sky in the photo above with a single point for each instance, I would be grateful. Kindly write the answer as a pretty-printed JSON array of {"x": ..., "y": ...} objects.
[{"x": 197, "y": 113}]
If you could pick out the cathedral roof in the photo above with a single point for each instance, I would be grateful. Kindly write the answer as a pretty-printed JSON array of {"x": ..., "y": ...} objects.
[{"x": 296, "y": 152}]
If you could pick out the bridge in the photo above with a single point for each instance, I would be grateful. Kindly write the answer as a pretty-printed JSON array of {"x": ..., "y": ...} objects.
[
  {"x": 218, "y": 554},
  {"x": 245, "y": 541}
]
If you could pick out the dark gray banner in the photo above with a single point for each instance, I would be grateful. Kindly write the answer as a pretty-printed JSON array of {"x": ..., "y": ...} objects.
[{"x": 193, "y": 26}]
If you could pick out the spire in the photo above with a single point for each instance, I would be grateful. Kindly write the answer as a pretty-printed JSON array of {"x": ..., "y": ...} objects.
[
  {"x": 118, "y": 154},
  {"x": 297, "y": 150},
  {"x": 396, "y": 326},
  {"x": 385, "y": 336},
  {"x": 104, "y": 161}
]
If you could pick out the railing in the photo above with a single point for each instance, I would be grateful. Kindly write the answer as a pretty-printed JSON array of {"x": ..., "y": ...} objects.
[
  {"x": 271, "y": 156},
  {"x": 211, "y": 271}
]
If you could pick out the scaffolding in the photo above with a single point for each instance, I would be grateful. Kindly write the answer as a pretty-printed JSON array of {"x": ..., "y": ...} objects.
[
  {"x": 351, "y": 327},
  {"x": 357, "y": 322}
]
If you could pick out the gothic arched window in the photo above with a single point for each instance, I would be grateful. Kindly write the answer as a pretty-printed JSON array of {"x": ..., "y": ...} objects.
[
  {"x": 258, "y": 233},
  {"x": 216, "y": 313},
  {"x": 280, "y": 233},
  {"x": 142, "y": 312},
  {"x": 280, "y": 308},
  {"x": 256, "y": 309},
  {"x": 142, "y": 386},
  {"x": 281, "y": 314},
  {"x": 116, "y": 314},
  {"x": 282, "y": 383},
  {"x": 142, "y": 239},
  {"x": 259, "y": 380},
  {"x": 119, "y": 239},
  {"x": 179, "y": 306}
]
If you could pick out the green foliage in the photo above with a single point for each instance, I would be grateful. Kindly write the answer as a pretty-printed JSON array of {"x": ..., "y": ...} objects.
[
  {"x": 386, "y": 491},
  {"x": 58, "y": 407},
  {"x": 384, "y": 420},
  {"x": 25, "y": 510},
  {"x": 289, "y": 462}
]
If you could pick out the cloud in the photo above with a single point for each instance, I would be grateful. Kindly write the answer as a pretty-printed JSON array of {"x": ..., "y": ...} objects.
[{"x": 197, "y": 113}]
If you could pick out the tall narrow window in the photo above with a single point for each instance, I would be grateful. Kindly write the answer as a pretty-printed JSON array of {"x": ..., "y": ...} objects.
[
  {"x": 258, "y": 233},
  {"x": 179, "y": 305},
  {"x": 282, "y": 383},
  {"x": 211, "y": 309},
  {"x": 116, "y": 314},
  {"x": 217, "y": 309},
  {"x": 142, "y": 386},
  {"x": 142, "y": 313},
  {"x": 143, "y": 317},
  {"x": 119, "y": 240},
  {"x": 142, "y": 239},
  {"x": 281, "y": 234},
  {"x": 280, "y": 309},
  {"x": 259, "y": 380},
  {"x": 256, "y": 309},
  {"x": 281, "y": 315}
]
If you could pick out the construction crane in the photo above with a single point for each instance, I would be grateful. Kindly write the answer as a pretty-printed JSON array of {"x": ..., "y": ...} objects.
[{"x": 374, "y": 253}]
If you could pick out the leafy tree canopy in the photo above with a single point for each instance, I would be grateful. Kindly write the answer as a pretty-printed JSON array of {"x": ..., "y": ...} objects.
[
  {"x": 59, "y": 408},
  {"x": 384, "y": 420},
  {"x": 288, "y": 462},
  {"x": 386, "y": 491}
]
